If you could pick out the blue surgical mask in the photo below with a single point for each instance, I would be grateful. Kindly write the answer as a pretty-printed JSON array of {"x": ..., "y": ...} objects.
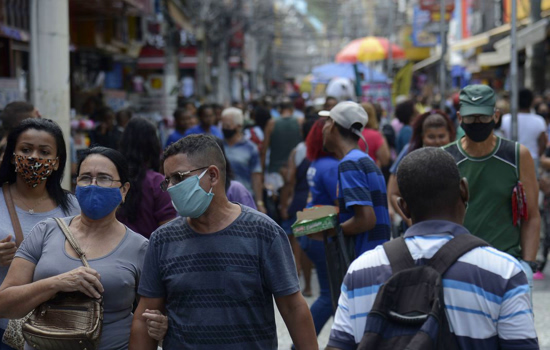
[
  {"x": 188, "y": 197},
  {"x": 98, "y": 202}
]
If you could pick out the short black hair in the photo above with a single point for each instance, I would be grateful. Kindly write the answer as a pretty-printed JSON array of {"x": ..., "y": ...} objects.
[
  {"x": 287, "y": 105},
  {"x": 525, "y": 98},
  {"x": 180, "y": 112},
  {"x": 202, "y": 109},
  {"x": 429, "y": 182},
  {"x": 347, "y": 133},
  {"x": 14, "y": 112},
  {"x": 201, "y": 149},
  {"x": 404, "y": 111},
  {"x": 113, "y": 155},
  {"x": 53, "y": 183},
  {"x": 102, "y": 113}
]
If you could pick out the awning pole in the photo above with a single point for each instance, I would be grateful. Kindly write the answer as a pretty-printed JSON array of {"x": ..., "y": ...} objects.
[{"x": 514, "y": 72}]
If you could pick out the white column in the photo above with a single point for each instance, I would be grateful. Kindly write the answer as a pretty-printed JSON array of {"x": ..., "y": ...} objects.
[{"x": 50, "y": 76}]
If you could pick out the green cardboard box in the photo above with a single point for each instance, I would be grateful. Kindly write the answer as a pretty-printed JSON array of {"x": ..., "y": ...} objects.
[{"x": 315, "y": 220}]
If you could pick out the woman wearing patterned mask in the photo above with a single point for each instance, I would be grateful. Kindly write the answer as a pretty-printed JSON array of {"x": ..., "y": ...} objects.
[{"x": 31, "y": 173}]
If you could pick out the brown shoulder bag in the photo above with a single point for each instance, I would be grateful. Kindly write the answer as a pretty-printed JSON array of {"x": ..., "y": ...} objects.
[{"x": 69, "y": 320}]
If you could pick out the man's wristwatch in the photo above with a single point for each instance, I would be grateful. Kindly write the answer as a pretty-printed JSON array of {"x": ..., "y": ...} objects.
[{"x": 533, "y": 265}]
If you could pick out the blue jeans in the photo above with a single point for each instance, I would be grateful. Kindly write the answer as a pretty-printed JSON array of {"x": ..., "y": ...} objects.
[
  {"x": 321, "y": 310},
  {"x": 2, "y": 345}
]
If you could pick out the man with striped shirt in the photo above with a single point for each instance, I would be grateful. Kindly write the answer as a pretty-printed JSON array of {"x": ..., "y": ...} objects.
[
  {"x": 361, "y": 185},
  {"x": 486, "y": 293}
]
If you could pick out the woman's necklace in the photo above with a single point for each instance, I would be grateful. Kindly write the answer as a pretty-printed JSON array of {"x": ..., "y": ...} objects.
[{"x": 36, "y": 204}]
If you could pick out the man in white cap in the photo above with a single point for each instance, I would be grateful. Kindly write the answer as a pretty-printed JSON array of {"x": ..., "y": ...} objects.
[{"x": 361, "y": 185}]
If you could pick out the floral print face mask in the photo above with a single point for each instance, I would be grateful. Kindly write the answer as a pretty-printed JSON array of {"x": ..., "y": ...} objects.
[{"x": 34, "y": 170}]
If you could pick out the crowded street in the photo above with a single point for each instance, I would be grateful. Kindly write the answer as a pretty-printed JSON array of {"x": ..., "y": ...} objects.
[{"x": 274, "y": 174}]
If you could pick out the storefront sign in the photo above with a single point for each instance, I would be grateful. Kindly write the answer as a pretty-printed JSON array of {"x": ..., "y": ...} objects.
[{"x": 421, "y": 35}]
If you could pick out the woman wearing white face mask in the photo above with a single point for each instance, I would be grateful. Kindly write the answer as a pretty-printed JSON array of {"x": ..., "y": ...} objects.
[{"x": 46, "y": 264}]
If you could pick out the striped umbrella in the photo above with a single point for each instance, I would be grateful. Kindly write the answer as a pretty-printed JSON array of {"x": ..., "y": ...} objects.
[{"x": 368, "y": 49}]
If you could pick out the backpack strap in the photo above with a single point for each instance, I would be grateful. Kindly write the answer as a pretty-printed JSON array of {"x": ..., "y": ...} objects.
[
  {"x": 399, "y": 255},
  {"x": 453, "y": 250}
]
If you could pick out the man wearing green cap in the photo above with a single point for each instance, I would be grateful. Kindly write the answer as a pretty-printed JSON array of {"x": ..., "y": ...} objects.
[{"x": 501, "y": 178}]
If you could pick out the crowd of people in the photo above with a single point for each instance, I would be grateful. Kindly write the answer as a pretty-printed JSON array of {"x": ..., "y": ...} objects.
[{"x": 189, "y": 238}]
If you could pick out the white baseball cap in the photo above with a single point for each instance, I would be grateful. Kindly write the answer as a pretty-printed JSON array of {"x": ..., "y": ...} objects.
[{"x": 346, "y": 114}]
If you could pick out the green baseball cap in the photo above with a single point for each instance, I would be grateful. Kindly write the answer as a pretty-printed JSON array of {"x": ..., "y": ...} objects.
[{"x": 477, "y": 99}]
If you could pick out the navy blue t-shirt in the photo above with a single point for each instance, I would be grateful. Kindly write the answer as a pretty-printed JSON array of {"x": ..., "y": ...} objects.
[
  {"x": 219, "y": 287},
  {"x": 360, "y": 182}
]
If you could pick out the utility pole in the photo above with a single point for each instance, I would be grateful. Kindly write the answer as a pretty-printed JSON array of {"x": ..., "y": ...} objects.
[
  {"x": 171, "y": 65},
  {"x": 537, "y": 54},
  {"x": 49, "y": 73},
  {"x": 390, "y": 41},
  {"x": 442, "y": 64},
  {"x": 514, "y": 71}
]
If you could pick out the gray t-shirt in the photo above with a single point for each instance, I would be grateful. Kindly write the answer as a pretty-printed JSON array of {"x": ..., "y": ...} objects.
[
  {"x": 27, "y": 221},
  {"x": 219, "y": 287},
  {"x": 120, "y": 271}
]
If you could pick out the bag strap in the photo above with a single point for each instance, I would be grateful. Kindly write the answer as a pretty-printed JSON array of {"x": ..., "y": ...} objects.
[
  {"x": 72, "y": 241},
  {"x": 13, "y": 214},
  {"x": 399, "y": 255},
  {"x": 453, "y": 250}
]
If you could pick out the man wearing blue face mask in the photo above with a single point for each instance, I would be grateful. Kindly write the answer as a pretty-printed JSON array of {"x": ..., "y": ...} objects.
[{"x": 216, "y": 269}]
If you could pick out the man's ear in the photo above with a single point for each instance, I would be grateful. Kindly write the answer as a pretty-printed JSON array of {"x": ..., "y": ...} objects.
[
  {"x": 404, "y": 207},
  {"x": 459, "y": 117},
  {"x": 124, "y": 191},
  {"x": 214, "y": 175},
  {"x": 464, "y": 190}
]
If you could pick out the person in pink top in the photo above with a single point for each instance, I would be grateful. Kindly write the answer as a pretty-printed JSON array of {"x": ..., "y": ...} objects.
[{"x": 378, "y": 148}]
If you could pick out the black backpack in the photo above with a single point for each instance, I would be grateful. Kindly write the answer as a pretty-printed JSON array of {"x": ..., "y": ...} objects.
[{"x": 409, "y": 310}]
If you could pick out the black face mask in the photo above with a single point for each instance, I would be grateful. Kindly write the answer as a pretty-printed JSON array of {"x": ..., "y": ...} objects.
[
  {"x": 229, "y": 133},
  {"x": 478, "y": 132}
]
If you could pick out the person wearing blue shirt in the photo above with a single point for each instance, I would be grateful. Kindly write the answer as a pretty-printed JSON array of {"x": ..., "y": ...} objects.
[
  {"x": 362, "y": 195},
  {"x": 322, "y": 178},
  {"x": 207, "y": 119},
  {"x": 183, "y": 120}
]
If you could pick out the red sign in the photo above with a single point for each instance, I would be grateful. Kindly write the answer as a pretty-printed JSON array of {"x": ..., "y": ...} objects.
[{"x": 433, "y": 5}]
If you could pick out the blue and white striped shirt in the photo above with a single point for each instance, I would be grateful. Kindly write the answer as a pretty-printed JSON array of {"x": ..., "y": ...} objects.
[{"x": 486, "y": 293}]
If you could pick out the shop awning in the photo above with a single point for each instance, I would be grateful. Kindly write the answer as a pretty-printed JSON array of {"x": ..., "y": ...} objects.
[
  {"x": 153, "y": 58},
  {"x": 427, "y": 62},
  {"x": 530, "y": 35},
  {"x": 480, "y": 39}
]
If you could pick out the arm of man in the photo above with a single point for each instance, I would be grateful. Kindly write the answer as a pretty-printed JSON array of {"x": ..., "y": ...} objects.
[
  {"x": 267, "y": 140},
  {"x": 257, "y": 187},
  {"x": 530, "y": 228},
  {"x": 139, "y": 336},
  {"x": 364, "y": 219},
  {"x": 287, "y": 191},
  {"x": 298, "y": 320}
]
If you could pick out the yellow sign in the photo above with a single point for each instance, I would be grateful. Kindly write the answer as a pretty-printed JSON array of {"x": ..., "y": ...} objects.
[{"x": 524, "y": 8}]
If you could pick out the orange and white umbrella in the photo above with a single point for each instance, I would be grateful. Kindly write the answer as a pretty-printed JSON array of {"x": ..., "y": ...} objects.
[{"x": 369, "y": 49}]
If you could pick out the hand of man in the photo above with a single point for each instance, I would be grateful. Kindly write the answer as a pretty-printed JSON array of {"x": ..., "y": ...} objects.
[
  {"x": 157, "y": 324},
  {"x": 7, "y": 251}
]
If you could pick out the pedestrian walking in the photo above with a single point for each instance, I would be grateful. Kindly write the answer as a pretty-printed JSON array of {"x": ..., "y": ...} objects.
[
  {"x": 242, "y": 154},
  {"x": 531, "y": 127},
  {"x": 431, "y": 129},
  {"x": 217, "y": 268},
  {"x": 503, "y": 208},
  {"x": 405, "y": 112},
  {"x": 45, "y": 264},
  {"x": 322, "y": 177},
  {"x": 485, "y": 292},
  {"x": 183, "y": 120},
  {"x": 362, "y": 197},
  {"x": 31, "y": 175},
  {"x": 207, "y": 123},
  {"x": 146, "y": 206}
]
